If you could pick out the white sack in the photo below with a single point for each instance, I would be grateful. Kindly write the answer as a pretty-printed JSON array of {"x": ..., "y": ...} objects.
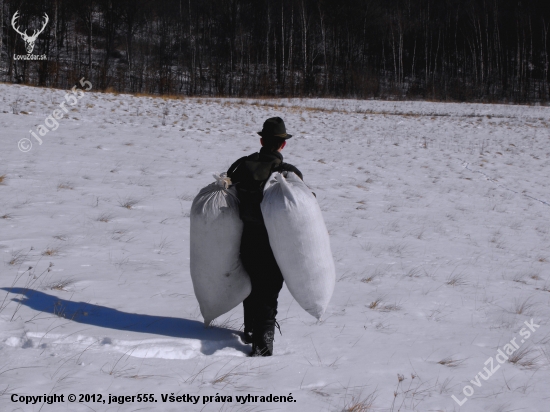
[
  {"x": 300, "y": 241},
  {"x": 219, "y": 279}
]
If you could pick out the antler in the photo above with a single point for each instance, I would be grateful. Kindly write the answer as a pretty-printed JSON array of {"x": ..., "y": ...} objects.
[
  {"x": 35, "y": 34},
  {"x": 13, "y": 23}
]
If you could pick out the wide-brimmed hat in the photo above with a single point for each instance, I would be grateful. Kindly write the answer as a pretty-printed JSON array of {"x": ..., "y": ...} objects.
[{"x": 275, "y": 126}]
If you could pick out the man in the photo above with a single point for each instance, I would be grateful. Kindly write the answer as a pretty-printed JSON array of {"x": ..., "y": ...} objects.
[{"x": 249, "y": 175}]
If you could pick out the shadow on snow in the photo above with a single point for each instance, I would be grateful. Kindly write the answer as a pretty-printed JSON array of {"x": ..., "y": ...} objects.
[{"x": 212, "y": 339}]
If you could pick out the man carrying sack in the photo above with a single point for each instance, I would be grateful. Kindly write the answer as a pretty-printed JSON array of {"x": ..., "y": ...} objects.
[{"x": 249, "y": 174}]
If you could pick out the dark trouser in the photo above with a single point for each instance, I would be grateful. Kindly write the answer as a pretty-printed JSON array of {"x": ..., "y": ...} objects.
[{"x": 260, "y": 307}]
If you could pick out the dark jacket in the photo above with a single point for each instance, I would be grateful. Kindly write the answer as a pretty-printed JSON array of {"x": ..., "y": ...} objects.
[{"x": 249, "y": 175}]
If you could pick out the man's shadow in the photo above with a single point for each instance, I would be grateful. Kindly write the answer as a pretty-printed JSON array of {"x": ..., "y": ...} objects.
[{"x": 212, "y": 338}]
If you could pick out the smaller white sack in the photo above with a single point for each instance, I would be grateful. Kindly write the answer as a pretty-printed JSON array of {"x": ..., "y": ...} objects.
[
  {"x": 300, "y": 241},
  {"x": 219, "y": 279}
]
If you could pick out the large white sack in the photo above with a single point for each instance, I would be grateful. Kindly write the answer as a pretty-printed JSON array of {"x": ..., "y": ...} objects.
[
  {"x": 300, "y": 241},
  {"x": 219, "y": 279}
]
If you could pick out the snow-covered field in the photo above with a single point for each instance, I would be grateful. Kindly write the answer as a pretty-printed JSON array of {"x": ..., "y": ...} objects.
[{"x": 440, "y": 230}]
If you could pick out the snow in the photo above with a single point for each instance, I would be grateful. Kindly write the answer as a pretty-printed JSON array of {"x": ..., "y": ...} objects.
[{"x": 438, "y": 217}]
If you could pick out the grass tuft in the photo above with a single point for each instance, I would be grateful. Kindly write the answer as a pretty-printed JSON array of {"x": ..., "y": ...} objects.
[
  {"x": 444, "y": 387},
  {"x": 414, "y": 272},
  {"x": 128, "y": 203},
  {"x": 61, "y": 284},
  {"x": 450, "y": 362},
  {"x": 17, "y": 257},
  {"x": 65, "y": 185},
  {"x": 518, "y": 278},
  {"x": 105, "y": 217},
  {"x": 51, "y": 251},
  {"x": 368, "y": 279},
  {"x": 390, "y": 307},
  {"x": 525, "y": 357},
  {"x": 456, "y": 280},
  {"x": 523, "y": 307},
  {"x": 358, "y": 404},
  {"x": 378, "y": 305}
]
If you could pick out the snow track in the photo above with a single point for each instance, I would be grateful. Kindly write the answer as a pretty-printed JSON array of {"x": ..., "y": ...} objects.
[{"x": 466, "y": 166}]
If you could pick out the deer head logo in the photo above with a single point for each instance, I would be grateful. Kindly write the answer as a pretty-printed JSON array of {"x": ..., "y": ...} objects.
[{"x": 29, "y": 40}]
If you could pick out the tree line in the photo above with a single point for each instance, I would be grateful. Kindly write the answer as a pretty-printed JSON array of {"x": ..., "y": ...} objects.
[{"x": 456, "y": 50}]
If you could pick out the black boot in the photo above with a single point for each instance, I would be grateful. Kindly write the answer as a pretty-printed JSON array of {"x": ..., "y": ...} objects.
[
  {"x": 263, "y": 337},
  {"x": 247, "y": 336},
  {"x": 248, "y": 307}
]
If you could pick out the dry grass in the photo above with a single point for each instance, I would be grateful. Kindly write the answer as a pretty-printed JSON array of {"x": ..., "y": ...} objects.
[
  {"x": 444, "y": 387},
  {"x": 17, "y": 257},
  {"x": 397, "y": 249},
  {"x": 418, "y": 233},
  {"x": 111, "y": 90},
  {"x": 542, "y": 259},
  {"x": 544, "y": 341},
  {"x": 61, "y": 284},
  {"x": 104, "y": 217},
  {"x": 517, "y": 225},
  {"x": 390, "y": 307},
  {"x": 523, "y": 307},
  {"x": 229, "y": 376},
  {"x": 165, "y": 97},
  {"x": 413, "y": 394},
  {"x": 368, "y": 279},
  {"x": 456, "y": 280},
  {"x": 358, "y": 404},
  {"x": 525, "y": 357},
  {"x": 414, "y": 272},
  {"x": 163, "y": 245},
  {"x": 367, "y": 247},
  {"x": 2, "y": 179},
  {"x": 65, "y": 185},
  {"x": 7, "y": 216},
  {"x": 543, "y": 230},
  {"x": 450, "y": 362},
  {"x": 518, "y": 278},
  {"x": 377, "y": 273},
  {"x": 128, "y": 203},
  {"x": 378, "y": 305},
  {"x": 51, "y": 251},
  {"x": 122, "y": 235}
]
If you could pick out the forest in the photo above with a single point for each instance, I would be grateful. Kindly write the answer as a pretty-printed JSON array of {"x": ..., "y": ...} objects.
[{"x": 444, "y": 50}]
